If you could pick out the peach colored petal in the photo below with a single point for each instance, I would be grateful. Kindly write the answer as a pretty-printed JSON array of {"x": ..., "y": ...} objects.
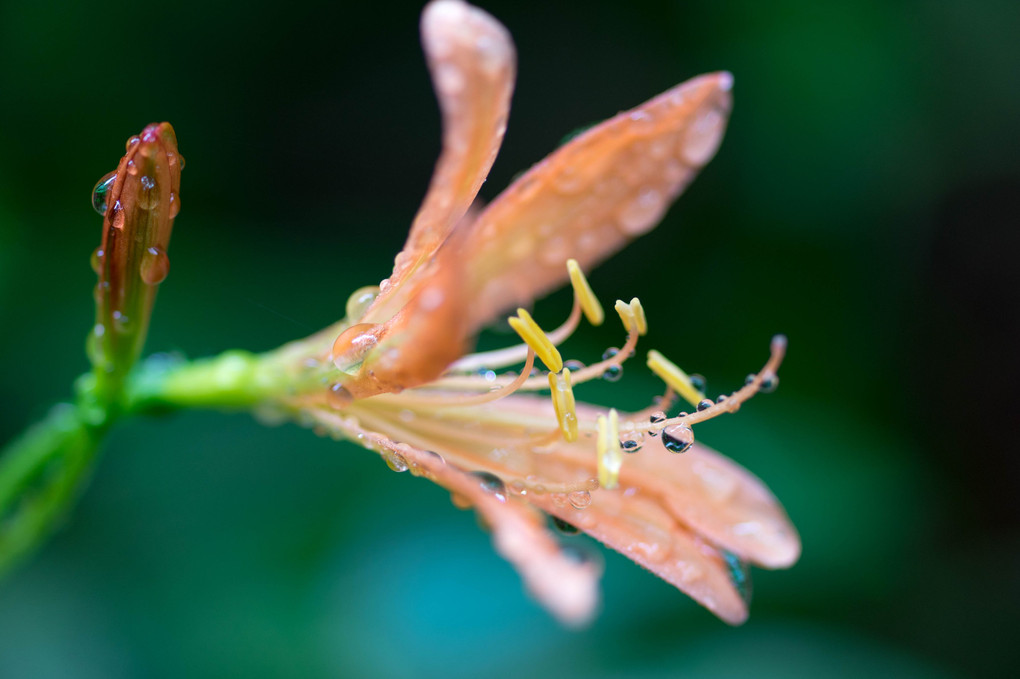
[
  {"x": 591, "y": 196},
  {"x": 635, "y": 524},
  {"x": 472, "y": 61},
  {"x": 567, "y": 587},
  {"x": 672, "y": 513}
]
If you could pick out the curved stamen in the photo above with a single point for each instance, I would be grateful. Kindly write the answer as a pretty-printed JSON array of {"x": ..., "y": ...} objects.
[{"x": 500, "y": 358}]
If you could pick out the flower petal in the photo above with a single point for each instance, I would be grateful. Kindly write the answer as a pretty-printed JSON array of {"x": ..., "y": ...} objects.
[
  {"x": 591, "y": 196},
  {"x": 473, "y": 64},
  {"x": 564, "y": 585},
  {"x": 673, "y": 514}
]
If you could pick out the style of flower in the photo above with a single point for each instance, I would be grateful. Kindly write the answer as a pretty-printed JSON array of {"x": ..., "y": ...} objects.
[{"x": 402, "y": 383}]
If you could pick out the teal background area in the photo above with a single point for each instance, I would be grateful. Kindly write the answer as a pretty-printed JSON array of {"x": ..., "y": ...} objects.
[{"x": 864, "y": 202}]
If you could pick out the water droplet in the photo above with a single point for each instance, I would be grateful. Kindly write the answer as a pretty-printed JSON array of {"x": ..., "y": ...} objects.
[
  {"x": 155, "y": 266},
  {"x": 353, "y": 344},
  {"x": 702, "y": 138},
  {"x": 609, "y": 353},
  {"x": 97, "y": 259},
  {"x": 573, "y": 365},
  {"x": 740, "y": 575},
  {"x": 699, "y": 382},
  {"x": 678, "y": 438},
  {"x": 117, "y": 216},
  {"x": 631, "y": 441},
  {"x": 749, "y": 379},
  {"x": 579, "y": 499},
  {"x": 132, "y": 168},
  {"x": 175, "y": 205},
  {"x": 642, "y": 213},
  {"x": 492, "y": 484},
  {"x": 721, "y": 398},
  {"x": 338, "y": 397},
  {"x": 564, "y": 527},
  {"x": 395, "y": 461},
  {"x": 120, "y": 321},
  {"x": 359, "y": 301},
  {"x": 131, "y": 142},
  {"x": 148, "y": 198},
  {"x": 705, "y": 404},
  {"x": 613, "y": 373},
  {"x": 100, "y": 190},
  {"x": 769, "y": 383}
]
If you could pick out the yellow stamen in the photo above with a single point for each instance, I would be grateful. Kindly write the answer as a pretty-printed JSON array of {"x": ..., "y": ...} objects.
[
  {"x": 525, "y": 326},
  {"x": 672, "y": 375},
  {"x": 563, "y": 402},
  {"x": 627, "y": 315},
  {"x": 610, "y": 455},
  {"x": 589, "y": 302},
  {"x": 639, "y": 316}
]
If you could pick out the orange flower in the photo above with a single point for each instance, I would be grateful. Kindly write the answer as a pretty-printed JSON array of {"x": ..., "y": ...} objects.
[{"x": 406, "y": 389}]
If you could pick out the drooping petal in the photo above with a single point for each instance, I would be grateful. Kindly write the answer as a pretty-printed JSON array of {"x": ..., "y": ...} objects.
[
  {"x": 564, "y": 585},
  {"x": 673, "y": 514},
  {"x": 593, "y": 195},
  {"x": 472, "y": 61}
]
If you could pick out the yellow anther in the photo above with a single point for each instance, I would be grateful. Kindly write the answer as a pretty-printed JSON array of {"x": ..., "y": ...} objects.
[
  {"x": 676, "y": 378},
  {"x": 590, "y": 304},
  {"x": 563, "y": 402},
  {"x": 610, "y": 455},
  {"x": 639, "y": 316},
  {"x": 525, "y": 326},
  {"x": 627, "y": 315}
]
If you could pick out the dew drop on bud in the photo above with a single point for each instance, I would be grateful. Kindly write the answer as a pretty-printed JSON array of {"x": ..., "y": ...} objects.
[
  {"x": 100, "y": 190},
  {"x": 175, "y": 204},
  {"x": 148, "y": 198},
  {"x": 678, "y": 438},
  {"x": 155, "y": 266},
  {"x": 97, "y": 259},
  {"x": 492, "y": 484}
]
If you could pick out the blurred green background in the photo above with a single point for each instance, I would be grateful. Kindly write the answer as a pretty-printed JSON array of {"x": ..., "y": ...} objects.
[{"x": 864, "y": 202}]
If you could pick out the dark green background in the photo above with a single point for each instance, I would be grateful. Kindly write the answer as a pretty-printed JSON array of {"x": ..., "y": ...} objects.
[{"x": 864, "y": 202}]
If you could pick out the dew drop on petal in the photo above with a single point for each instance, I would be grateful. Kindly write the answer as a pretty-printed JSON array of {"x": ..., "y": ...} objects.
[
  {"x": 492, "y": 484},
  {"x": 395, "y": 461},
  {"x": 678, "y": 438},
  {"x": 353, "y": 344},
  {"x": 564, "y": 527},
  {"x": 642, "y": 213},
  {"x": 359, "y": 301},
  {"x": 155, "y": 266},
  {"x": 100, "y": 190},
  {"x": 702, "y": 138},
  {"x": 97, "y": 259},
  {"x": 175, "y": 205},
  {"x": 579, "y": 499}
]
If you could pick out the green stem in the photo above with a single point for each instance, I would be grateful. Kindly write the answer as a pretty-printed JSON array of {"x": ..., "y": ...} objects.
[{"x": 40, "y": 475}]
